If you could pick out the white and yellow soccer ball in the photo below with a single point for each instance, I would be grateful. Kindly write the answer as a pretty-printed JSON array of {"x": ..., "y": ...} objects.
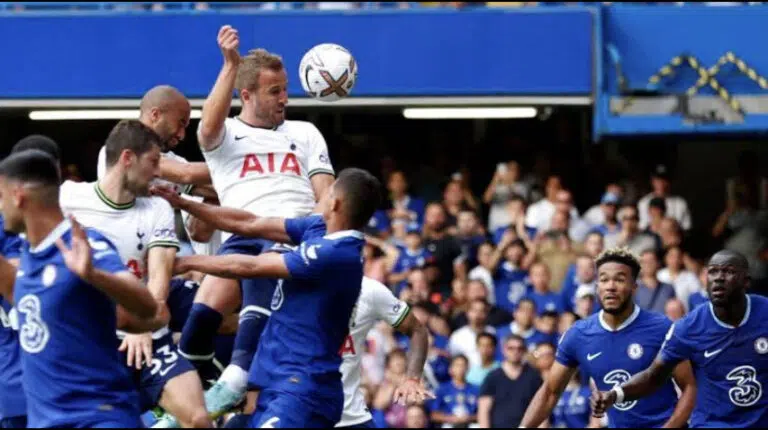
[{"x": 328, "y": 72}]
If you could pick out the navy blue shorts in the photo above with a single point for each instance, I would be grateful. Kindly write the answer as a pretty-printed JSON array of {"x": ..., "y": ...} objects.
[
  {"x": 287, "y": 410},
  {"x": 257, "y": 293},
  {"x": 181, "y": 296},
  {"x": 14, "y": 422},
  {"x": 166, "y": 365}
]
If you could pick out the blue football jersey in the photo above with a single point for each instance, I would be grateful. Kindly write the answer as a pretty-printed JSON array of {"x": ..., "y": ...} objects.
[
  {"x": 546, "y": 302},
  {"x": 71, "y": 368},
  {"x": 572, "y": 410},
  {"x": 611, "y": 358},
  {"x": 12, "y": 401},
  {"x": 452, "y": 400},
  {"x": 311, "y": 312},
  {"x": 511, "y": 284},
  {"x": 730, "y": 365}
]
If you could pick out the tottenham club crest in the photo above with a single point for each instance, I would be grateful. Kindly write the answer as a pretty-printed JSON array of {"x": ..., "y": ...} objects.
[
  {"x": 761, "y": 346},
  {"x": 635, "y": 351}
]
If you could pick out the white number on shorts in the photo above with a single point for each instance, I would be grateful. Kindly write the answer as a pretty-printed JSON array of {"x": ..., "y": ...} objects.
[{"x": 169, "y": 358}]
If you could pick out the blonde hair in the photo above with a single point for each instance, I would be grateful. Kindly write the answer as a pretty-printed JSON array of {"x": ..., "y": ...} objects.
[{"x": 251, "y": 66}]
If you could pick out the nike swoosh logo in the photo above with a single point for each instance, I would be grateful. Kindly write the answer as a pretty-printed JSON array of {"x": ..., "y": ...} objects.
[
  {"x": 708, "y": 354},
  {"x": 591, "y": 357},
  {"x": 167, "y": 369},
  {"x": 240, "y": 137}
]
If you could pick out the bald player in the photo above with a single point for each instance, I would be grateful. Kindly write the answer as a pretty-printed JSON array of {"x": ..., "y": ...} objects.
[
  {"x": 166, "y": 111},
  {"x": 727, "y": 344}
]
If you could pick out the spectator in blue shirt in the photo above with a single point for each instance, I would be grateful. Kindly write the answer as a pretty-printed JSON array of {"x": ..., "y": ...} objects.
[
  {"x": 413, "y": 256},
  {"x": 511, "y": 281},
  {"x": 403, "y": 205},
  {"x": 455, "y": 402},
  {"x": 545, "y": 300},
  {"x": 486, "y": 346},
  {"x": 610, "y": 206}
]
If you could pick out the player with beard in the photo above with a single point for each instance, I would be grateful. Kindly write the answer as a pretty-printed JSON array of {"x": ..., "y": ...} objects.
[
  {"x": 142, "y": 229},
  {"x": 611, "y": 346},
  {"x": 727, "y": 344}
]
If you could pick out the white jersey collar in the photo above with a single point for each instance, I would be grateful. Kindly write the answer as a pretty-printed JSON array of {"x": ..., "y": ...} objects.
[
  {"x": 49, "y": 240},
  {"x": 743, "y": 321},
  {"x": 626, "y": 323},
  {"x": 343, "y": 234}
]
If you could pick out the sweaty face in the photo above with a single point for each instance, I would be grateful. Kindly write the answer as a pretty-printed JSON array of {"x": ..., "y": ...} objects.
[
  {"x": 615, "y": 287},
  {"x": 726, "y": 279},
  {"x": 14, "y": 222},
  {"x": 172, "y": 124},
  {"x": 269, "y": 100},
  {"x": 142, "y": 171}
]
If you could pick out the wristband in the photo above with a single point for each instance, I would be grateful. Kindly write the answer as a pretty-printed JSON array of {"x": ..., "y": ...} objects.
[{"x": 619, "y": 394}]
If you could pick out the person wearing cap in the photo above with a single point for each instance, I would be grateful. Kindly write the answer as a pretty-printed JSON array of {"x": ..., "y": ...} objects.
[
  {"x": 677, "y": 207},
  {"x": 594, "y": 215}
]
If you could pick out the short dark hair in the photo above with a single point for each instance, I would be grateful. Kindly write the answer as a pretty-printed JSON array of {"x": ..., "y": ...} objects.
[
  {"x": 619, "y": 255},
  {"x": 514, "y": 337},
  {"x": 526, "y": 300},
  {"x": 132, "y": 135},
  {"x": 550, "y": 314},
  {"x": 31, "y": 166},
  {"x": 492, "y": 338},
  {"x": 460, "y": 357},
  {"x": 362, "y": 195},
  {"x": 39, "y": 142},
  {"x": 659, "y": 203}
]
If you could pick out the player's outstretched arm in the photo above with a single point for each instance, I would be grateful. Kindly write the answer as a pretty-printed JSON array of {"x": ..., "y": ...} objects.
[
  {"x": 412, "y": 390},
  {"x": 641, "y": 385},
  {"x": 232, "y": 220},
  {"x": 235, "y": 266},
  {"x": 217, "y": 105},
  {"x": 545, "y": 400},
  {"x": 184, "y": 173},
  {"x": 684, "y": 378}
]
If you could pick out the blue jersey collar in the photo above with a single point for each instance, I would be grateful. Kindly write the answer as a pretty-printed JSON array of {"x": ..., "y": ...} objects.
[
  {"x": 56, "y": 233},
  {"x": 344, "y": 233},
  {"x": 743, "y": 321},
  {"x": 626, "y": 323}
]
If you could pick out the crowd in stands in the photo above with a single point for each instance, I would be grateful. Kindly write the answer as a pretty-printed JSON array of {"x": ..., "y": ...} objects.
[{"x": 499, "y": 277}]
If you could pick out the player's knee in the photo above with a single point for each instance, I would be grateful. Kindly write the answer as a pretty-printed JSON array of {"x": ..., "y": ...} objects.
[
  {"x": 199, "y": 420},
  {"x": 220, "y": 294}
]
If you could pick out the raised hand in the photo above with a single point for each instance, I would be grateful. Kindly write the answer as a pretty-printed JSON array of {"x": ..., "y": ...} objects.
[
  {"x": 229, "y": 42},
  {"x": 77, "y": 258}
]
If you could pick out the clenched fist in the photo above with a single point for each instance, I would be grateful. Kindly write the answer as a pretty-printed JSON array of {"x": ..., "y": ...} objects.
[{"x": 229, "y": 42}]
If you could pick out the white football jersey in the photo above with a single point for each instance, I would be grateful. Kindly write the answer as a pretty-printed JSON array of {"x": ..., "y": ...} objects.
[
  {"x": 133, "y": 228},
  {"x": 376, "y": 303},
  {"x": 267, "y": 172},
  {"x": 201, "y": 248}
]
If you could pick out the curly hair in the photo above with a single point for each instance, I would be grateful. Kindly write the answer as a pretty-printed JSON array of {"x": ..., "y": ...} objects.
[{"x": 621, "y": 255}]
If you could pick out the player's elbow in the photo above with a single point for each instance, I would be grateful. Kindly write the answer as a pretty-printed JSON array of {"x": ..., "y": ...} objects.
[{"x": 199, "y": 231}]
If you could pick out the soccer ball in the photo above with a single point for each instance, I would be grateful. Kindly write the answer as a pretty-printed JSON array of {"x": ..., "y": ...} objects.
[{"x": 328, "y": 72}]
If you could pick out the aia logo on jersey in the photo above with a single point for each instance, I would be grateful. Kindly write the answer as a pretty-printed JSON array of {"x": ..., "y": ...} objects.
[{"x": 270, "y": 163}]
